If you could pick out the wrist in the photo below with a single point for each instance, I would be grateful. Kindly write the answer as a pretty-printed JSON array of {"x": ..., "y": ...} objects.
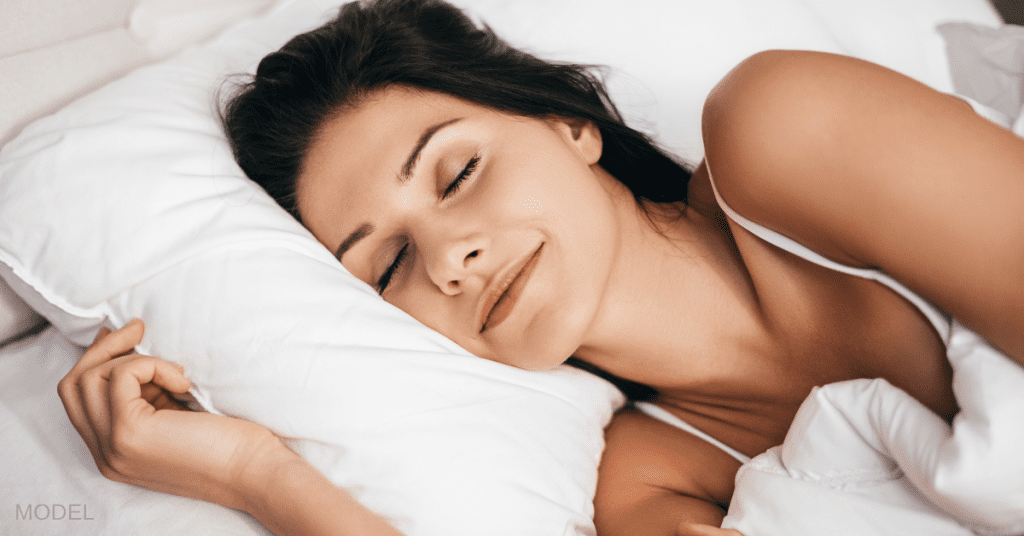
[
  {"x": 289, "y": 496},
  {"x": 257, "y": 480}
]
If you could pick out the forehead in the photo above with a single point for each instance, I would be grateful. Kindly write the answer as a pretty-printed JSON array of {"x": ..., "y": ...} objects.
[
  {"x": 367, "y": 142},
  {"x": 382, "y": 121}
]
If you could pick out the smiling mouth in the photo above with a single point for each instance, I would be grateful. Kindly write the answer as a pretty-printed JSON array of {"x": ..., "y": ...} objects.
[{"x": 505, "y": 295}]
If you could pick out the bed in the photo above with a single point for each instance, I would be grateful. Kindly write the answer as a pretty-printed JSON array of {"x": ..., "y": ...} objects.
[{"x": 434, "y": 439}]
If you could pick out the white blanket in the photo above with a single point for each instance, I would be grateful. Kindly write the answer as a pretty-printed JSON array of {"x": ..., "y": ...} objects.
[{"x": 863, "y": 457}]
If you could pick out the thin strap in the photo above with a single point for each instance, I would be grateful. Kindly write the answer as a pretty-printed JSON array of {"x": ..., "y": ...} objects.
[
  {"x": 668, "y": 418},
  {"x": 938, "y": 319}
]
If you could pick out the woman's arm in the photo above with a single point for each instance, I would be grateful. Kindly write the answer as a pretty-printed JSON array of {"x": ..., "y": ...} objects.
[
  {"x": 655, "y": 479},
  {"x": 874, "y": 169},
  {"x": 137, "y": 434},
  {"x": 294, "y": 498}
]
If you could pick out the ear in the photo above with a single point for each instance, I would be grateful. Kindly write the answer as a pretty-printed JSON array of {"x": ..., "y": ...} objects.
[{"x": 584, "y": 135}]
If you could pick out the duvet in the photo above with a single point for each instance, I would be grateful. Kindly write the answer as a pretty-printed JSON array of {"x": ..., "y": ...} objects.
[{"x": 863, "y": 457}]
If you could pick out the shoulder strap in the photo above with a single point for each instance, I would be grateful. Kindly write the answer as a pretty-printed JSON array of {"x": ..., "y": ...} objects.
[
  {"x": 939, "y": 320},
  {"x": 666, "y": 417}
]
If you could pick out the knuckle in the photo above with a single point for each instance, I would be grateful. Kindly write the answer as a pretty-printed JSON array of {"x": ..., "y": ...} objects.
[
  {"x": 88, "y": 379},
  {"x": 109, "y": 473},
  {"x": 63, "y": 387}
]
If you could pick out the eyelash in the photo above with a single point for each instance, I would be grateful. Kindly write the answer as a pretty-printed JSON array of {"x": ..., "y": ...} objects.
[
  {"x": 466, "y": 172},
  {"x": 385, "y": 279},
  {"x": 382, "y": 283}
]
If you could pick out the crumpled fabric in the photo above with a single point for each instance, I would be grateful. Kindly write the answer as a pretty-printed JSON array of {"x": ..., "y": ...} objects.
[
  {"x": 865, "y": 458},
  {"x": 987, "y": 65}
]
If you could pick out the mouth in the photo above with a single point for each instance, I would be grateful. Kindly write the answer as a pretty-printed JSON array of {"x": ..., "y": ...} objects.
[{"x": 503, "y": 296}]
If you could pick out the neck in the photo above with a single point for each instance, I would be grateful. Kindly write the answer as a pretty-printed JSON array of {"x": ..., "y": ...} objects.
[{"x": 678, "y": 294}]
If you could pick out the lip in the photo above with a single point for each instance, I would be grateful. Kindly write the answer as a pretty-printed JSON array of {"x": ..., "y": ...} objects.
[{"x": 500, "y": 298}]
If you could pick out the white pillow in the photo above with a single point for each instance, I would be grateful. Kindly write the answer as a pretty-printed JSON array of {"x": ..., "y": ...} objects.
[{"x": 127, "y": 204}]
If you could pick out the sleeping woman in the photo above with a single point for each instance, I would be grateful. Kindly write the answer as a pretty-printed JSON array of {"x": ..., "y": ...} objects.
[{"x": 841, "y": 214}]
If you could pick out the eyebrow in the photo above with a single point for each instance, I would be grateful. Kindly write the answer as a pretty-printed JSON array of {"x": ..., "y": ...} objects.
[
  {"x": 360, "y": 233},
  {"x": 366, "y": 229},
  {"x": 414, "y": 156}
]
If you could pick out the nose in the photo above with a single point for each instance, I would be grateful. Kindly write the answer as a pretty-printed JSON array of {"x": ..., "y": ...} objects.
[{"x": 455, "y": 261}]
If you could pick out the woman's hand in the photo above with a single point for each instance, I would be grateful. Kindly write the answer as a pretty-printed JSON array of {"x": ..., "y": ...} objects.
[
  {"x": 700, "y": 529},
  {"x": 119, "y": 403}
]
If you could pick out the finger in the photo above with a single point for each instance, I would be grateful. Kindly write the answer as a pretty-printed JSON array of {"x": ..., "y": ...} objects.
[
  {"x": 87, "y": 408},
  {"x": 113, "y": 345},
  {"x": 126, "y": 381},
  {"x": 159, "y": 398},
  {"x": 166, "y": 401},
  {"x": 93, "y": 384},
  {"x": 103, "y": 332},
  {"x": 130, "y": 413},
  {"x": 700, "y": 529},
  {"x": 151, "y": 392},
  {"x": 94, "y": 394},
  {"x": 71, "y": 398}
]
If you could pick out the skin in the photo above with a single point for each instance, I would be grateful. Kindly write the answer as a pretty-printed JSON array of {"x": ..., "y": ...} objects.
[
  {"x": 534, "y": 188},
  {"x": 858, "y": 163}
]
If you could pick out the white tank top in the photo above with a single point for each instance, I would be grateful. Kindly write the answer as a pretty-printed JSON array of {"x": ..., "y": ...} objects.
[{"x": 939, "y": 320}]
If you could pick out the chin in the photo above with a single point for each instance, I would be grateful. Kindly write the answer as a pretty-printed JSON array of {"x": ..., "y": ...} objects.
[
  {"x": 544, "y": 347},
  {"x": 545, "y": 337},
  {"x": 535, "y": 361}
]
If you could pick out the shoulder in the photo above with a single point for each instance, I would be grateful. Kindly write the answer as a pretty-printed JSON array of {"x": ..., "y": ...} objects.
[
  {"x": 651, "y": 469},
  {"x": 776, "y": 89},
  {"x": 874, "y": 169},
  {"x": 809, "y": 143},
  {"x": 794, "y": 93}
]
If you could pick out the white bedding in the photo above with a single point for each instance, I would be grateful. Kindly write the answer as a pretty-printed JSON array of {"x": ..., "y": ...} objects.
[
  {"x": 43, "y": 463},
  {"x": 863, "y": 457},
  {"x": 49, "y": 484}
]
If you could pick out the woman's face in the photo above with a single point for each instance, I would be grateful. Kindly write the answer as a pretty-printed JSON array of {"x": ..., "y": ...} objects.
[{"x": 497, "y": 231}]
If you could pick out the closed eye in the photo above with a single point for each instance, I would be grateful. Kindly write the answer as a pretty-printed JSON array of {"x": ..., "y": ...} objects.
[
  {"x": 385, "y": 279},
  {"x": 466, "y": 172}
]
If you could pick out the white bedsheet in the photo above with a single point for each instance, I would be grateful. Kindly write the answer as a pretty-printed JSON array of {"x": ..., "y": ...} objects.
[
  {"x": 863, "y": 457},
  {"x": 49, "y": 483}
]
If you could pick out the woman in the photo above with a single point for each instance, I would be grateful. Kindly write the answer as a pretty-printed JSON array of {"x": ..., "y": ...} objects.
[{"x": 500, "y": 200}]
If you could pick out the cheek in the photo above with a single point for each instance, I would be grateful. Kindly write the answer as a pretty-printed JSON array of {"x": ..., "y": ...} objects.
[
  {"x": 532, "y": 206},
  {"x": 427, "y": 309},
  {"x": 442, "y": 314},
  {"x": 577, "y": 220}
]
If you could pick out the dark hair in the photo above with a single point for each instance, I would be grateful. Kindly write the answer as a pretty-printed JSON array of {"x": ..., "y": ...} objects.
[{"x": 272, "y": 119}]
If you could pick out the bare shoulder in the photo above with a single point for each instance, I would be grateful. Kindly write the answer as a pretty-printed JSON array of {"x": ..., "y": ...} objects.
[
  {"x": 779, "y": 124},
  {"x": 654, "y": 476},
  {"x": 874, "y": 169}
]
